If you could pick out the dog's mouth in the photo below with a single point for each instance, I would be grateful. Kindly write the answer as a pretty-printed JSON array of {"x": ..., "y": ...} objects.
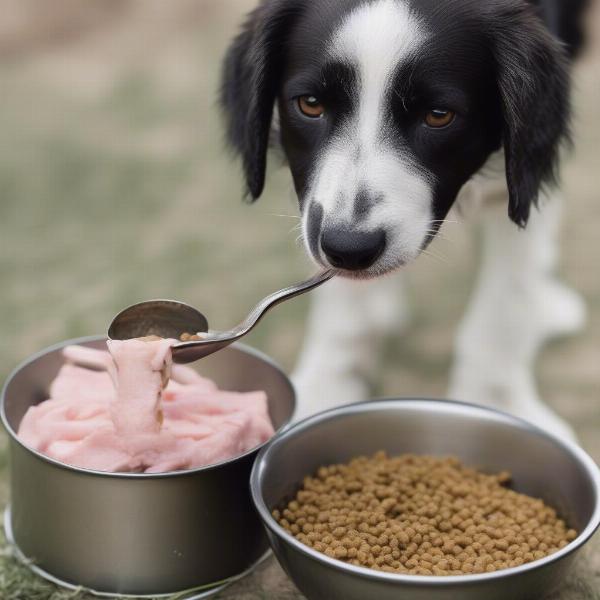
[
  {"x": 385, "y": 264},
  {"x": 370, "y": 273},
  {"x": 351, "y": 260},
  {"x": 365, "y": 248}
]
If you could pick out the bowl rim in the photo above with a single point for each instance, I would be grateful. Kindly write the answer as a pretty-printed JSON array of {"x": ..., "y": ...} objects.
[
  {"x": 377, "y": 404},
  {"x": 93, "y": 472}
]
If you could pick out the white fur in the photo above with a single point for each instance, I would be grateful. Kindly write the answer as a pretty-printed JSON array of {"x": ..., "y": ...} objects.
[
  {"x": 346, "y": 323},
  {"x": 516, "y": 307},
  {"x": 376, "y": 38}
]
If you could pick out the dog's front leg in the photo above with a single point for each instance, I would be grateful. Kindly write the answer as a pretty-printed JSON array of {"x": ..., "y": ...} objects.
[
  {"x": 517, "y": 306},
  {"x": 346, "y": 322}
]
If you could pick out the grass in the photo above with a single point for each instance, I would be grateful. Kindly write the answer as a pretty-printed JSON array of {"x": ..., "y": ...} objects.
[{"x": 122, "y": 192}]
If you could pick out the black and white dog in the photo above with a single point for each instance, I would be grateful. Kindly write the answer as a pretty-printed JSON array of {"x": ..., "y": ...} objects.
[{"x": 389, "y": 112}]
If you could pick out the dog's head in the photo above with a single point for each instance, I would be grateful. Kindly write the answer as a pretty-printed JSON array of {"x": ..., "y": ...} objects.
[{"x": 386, "y": 108}]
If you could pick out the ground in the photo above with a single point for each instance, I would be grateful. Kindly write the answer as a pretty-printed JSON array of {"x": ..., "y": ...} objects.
[{"x": 115, "y": 188}]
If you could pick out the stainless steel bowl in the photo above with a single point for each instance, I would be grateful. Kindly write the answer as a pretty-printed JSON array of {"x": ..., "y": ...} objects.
[
  {"x": 542, "y": 466},
  {"x": 138, "y": 533}
]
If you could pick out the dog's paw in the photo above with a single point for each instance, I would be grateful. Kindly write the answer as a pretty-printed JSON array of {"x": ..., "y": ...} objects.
[
  {"x": 318, "y": 392},
  {"x": 562, "y": 310},
  {"x": 515, "y": 394},
  {"x": 545, "y": 418}
]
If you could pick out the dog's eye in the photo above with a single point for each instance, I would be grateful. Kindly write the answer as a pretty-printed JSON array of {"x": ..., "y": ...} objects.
[
  {"x": 311, "y": 106},
  {"x": 438, "y": 118}
]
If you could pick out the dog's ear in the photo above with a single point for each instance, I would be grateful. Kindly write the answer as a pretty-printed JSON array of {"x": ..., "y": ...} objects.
[
  {"x": 533, "y": 87},
  {"x": 251, "y": 79}
]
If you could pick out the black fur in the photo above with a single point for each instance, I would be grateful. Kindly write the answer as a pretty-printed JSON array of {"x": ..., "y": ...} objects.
[
  {"x": 526, "y": 100},
  {"x": 564, "y": 19},
  {"x": 533, "y": 82},
  {"x": 251, "y": 79}
]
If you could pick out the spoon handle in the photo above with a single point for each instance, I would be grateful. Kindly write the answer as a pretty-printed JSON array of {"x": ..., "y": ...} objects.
[{"x": 275, "y": 298}]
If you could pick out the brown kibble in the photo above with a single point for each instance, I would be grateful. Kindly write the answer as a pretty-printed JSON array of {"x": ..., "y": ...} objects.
[
  {"x": 571, "y": 535},
  {"x": 190, "y": 337},
  {"x": 421, "y": 515},
  {"x": 501, "y": 544}
]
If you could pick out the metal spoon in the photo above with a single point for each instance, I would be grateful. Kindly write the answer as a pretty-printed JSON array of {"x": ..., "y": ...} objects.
[{"x": 170, "y": 319}]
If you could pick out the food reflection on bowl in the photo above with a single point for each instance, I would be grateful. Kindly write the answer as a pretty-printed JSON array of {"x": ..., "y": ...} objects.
[{"x": 542, "y": 466}]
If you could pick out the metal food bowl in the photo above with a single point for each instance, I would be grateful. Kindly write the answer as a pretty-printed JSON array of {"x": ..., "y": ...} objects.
[
  {"x": 138, "y": 534},
  {"x": 542, "y": 466}
]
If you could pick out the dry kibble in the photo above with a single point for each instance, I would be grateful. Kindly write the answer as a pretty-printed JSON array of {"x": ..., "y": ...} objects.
[{"x": 421, "y": 515}]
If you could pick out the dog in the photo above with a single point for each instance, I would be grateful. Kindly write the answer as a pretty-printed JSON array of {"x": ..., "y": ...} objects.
[{"x": 390, "y": 113}]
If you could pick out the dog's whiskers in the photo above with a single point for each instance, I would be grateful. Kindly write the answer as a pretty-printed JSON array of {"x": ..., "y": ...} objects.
[
  {"x": 434, "y": 256},
  {"x": 285, "y": 216},
  {"x": 445, "y": 221},
  {"x": 434, "y": 233}
]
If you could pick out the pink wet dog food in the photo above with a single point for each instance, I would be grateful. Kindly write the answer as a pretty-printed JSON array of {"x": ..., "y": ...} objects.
[{"x": 132, "y": 410}]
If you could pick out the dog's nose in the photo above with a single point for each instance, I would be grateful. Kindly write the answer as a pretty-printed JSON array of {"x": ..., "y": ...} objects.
[{"x": 352, "y": 250}]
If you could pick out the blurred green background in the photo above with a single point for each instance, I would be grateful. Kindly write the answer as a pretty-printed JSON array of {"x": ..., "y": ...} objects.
[{"x": 115, "y": 186}]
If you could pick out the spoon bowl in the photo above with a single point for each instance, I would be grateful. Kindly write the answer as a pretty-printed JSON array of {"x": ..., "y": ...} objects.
[
  {"x": 171, "y": 319},
  {"x": 164, "y": 318}
]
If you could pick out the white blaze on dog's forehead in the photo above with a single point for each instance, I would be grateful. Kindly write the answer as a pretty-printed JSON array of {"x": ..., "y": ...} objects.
[{"x": 377, "y": 37}]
